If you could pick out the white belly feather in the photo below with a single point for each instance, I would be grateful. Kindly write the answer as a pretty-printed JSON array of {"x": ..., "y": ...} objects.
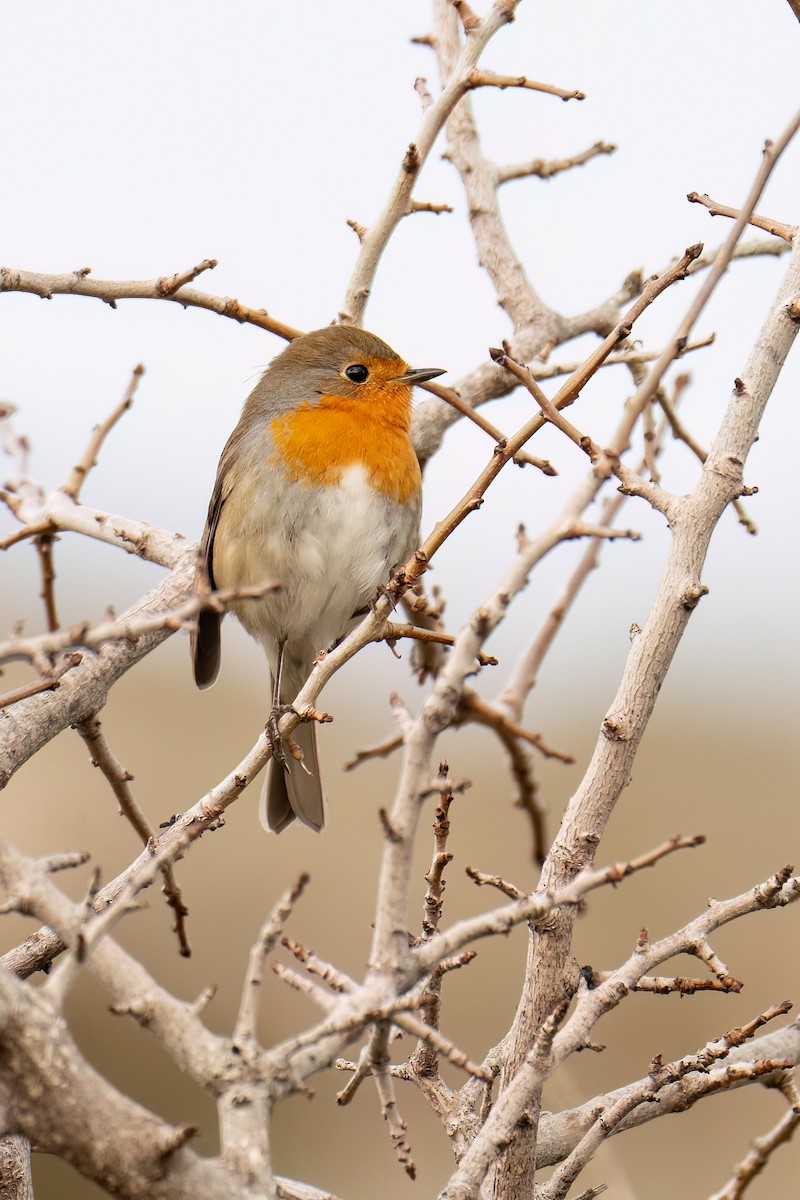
[{"x": 330, "y": 548}]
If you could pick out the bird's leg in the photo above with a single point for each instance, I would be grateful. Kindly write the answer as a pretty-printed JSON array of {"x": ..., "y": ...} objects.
[
  {"x": 279, "y": 709},
  {"x": 398, "y": 584}
]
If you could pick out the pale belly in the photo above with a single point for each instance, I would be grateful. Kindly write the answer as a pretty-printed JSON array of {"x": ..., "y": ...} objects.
[{"x": 329, "y": 548}]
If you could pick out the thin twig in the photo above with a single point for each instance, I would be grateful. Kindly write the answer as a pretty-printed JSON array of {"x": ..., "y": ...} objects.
[
  {"x": 380, "y": 750},
  {"x": 77, "y": 477},
  {"x": 565, "y": 396},
  {"x": 661, "y": 1074},
  {"x": 451, "y": 397},
  {"x": 119, "y": 779},
  {"x": 44, "y": 549},
  {"x": 80, "y": 283},
  {"x": 762, "y": 1148},
  {"x": 433, "y": 119},
  {"x": 378, "y": 1055},
  {"x": 48, "y": 683},
  {"x": 647, "y": 389},
  {"x": 245, "y": 1027},
  {"x": 393, "y": 632},
  {"x": 779, "y": 228},
  {"x": 479, "y": 79},
  {"x": 544, "y": 168},
  {"x": 93, "y": 637},
  {"x": 681, "y": 433}
]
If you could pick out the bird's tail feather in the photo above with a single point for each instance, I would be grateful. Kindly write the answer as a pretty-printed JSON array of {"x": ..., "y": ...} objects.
[{"x": 293, "y": 789}]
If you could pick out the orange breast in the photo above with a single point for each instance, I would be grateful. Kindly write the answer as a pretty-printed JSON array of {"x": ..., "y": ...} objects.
[{"x": 318, "y": 443}]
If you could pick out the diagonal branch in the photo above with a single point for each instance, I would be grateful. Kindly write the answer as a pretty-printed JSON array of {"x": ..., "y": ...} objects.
[
  {"x": 647, "y": 389},
  {"x": 102, "y": 756},
  {"x": 650, "y": 656},
  {"x": 77, "y": 477}
]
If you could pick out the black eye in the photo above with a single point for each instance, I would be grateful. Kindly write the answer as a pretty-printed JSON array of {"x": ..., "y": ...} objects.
[{"x": 357, "y": 373}]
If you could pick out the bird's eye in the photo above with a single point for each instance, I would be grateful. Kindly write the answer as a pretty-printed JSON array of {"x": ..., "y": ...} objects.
[{"x": 357, "y": 373}]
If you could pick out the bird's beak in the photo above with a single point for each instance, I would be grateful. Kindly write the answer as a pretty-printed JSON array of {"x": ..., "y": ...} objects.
[{"x": 418, "y": 375}]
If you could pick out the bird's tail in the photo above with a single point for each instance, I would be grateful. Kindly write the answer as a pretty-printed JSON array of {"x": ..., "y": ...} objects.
[{"x": 292, "y": 788}]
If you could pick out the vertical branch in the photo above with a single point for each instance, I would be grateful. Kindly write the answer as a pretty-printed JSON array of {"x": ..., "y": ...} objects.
[
  {"x": 15, "y": 1169},
  {"x": 375, "y": 239},
  {"x": 425, "y": 1060},
  {"x": 481, "y": 180},
  {"x": 44, "y": 548},
  {"x": 651, "y": 654}
]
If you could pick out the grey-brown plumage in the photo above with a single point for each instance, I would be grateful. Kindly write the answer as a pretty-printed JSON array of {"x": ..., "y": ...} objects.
[{"x": 318, "y": 488}]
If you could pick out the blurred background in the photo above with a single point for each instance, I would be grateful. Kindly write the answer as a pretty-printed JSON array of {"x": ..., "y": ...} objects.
[{"x": 140, "y": 139}]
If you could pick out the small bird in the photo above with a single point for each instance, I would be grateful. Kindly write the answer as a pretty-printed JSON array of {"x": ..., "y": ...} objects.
[{"x": 319, "y": 489}]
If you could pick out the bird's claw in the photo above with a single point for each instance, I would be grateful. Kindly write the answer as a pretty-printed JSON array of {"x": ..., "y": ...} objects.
[
  {"x": 277, "y": 744},
  {"x": 394, "y": 589}
]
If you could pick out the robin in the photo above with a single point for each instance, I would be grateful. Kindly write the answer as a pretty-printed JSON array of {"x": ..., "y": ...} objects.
[{"x": 318, "y": 488}]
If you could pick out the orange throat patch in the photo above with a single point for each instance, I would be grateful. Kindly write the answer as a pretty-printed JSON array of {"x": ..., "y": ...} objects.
[{"x": 317, "y": 443}]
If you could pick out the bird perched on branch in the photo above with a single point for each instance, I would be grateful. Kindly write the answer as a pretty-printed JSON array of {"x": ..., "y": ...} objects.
[{"x": 317, "y": 488}]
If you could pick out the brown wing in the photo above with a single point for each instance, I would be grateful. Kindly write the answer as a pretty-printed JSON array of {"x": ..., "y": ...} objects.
[{"x": 205, "y": 639}]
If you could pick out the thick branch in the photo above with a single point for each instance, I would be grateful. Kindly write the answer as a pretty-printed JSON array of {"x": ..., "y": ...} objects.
[
  {"x": 32, "y": 723},
  {"x": 62, "y": 1105},
  {"x": 648, "y": 661}
]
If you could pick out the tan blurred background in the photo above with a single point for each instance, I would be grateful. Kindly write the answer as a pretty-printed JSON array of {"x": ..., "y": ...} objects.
[{"x": 692, "y": 776}]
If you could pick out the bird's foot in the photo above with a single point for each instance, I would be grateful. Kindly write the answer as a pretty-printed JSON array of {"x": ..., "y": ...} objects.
[
  {"x": 277, "y": 743},
  {"x": 397, "y": 585}
]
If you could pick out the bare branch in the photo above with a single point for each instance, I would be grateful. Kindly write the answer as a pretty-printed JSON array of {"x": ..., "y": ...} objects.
[
  {"x": 48, "y": 683},
  {"x": 661, "y": 985},
  {"x": 451, "y": 397},
  {"x": 651, "y": 652},
  {"x": 778, "y": 228},
  {"x": 393, "y": 632},
  {"x": 433, "y": 119},
  {"x": 422, "y": 90},
  {"x": 245, "y": 1028},
  {"x": 478, "y": 79},
  {"x": 646, "y": 390},
  {"x": 483, "y": 880},
  {"x": 378, "y": 1057},
  {"x": 120, "y": 780},
  {"x": 538, "y": 904},
  {"x": 43, "y": 946},
  {"x": 544, "y": 168},
  {"x": 129, "y": 629},
  {"x": 660, "y": 1074},
  {"x": 74, "y": 483},
  {"x": 561, "y": 1132},
  {"x": 680, "y": 432},
  {"x": 381, "y": 750},
  {"x": 518, "y": 1096},
  {"x": 80, "y": 283},
  {"x": 44, "y": 549},
  {"x": 763, "y": 1147},
  {"x": 16, "y": 1182},
  {"x": 627, "y": 356},
  {"x": 427, "y": 206}
]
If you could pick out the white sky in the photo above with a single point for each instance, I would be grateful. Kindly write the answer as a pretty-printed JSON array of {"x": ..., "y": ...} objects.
[{"x": 139, "y": 139}]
